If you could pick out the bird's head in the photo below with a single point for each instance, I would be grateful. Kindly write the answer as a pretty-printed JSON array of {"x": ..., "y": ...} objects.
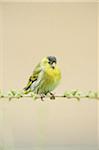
[{"x": 50, "y": 61}]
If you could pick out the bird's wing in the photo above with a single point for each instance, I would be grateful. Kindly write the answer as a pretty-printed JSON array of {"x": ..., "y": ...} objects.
[{"x": 33, "y": 77}]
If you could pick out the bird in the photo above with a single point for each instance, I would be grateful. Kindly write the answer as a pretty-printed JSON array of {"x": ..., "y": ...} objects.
[{"x": 45, "y": 77}]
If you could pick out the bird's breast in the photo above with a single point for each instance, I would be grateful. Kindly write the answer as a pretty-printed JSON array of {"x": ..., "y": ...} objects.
[
  {"x": 50, "y": 80},
  {"x": 53, "y": 75}
]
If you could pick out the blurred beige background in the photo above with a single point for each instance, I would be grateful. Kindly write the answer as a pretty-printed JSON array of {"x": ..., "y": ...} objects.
[{"x": 30, "y": 31}]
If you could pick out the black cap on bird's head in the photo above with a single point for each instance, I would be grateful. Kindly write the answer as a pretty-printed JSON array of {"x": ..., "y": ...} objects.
[{"x": 52, "y": 61}]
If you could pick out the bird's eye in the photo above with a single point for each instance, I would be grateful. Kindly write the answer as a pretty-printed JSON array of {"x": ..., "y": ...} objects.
[{"x": 49, "y": 62}]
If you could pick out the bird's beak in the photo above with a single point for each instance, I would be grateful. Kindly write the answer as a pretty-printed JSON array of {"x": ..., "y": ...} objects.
[{"x": 53, "y": 65}]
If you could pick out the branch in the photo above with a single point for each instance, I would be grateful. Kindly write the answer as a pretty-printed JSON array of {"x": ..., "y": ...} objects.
[{"x": 75, "y": 94}]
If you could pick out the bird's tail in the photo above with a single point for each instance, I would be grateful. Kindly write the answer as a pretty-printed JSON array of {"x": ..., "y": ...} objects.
[{"x": 26, "y": 90}]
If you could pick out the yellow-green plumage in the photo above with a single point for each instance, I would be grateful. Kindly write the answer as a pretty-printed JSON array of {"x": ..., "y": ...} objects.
[{"x": 45, "y": 77}]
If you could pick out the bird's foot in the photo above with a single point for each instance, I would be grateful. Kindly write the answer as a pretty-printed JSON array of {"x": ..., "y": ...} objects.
[
  {"x": 52, "y": 97},
  {"x": 42, "y": 97}
]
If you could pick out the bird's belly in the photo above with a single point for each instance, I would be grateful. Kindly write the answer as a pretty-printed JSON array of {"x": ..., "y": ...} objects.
[{"x": 49, "y": 83}]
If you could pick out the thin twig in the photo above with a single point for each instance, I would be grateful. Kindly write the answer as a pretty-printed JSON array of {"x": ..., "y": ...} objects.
[{"x": 74, "y": 94}]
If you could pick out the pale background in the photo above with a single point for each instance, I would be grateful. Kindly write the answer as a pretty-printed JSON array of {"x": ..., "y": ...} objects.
[{"x": 28, "y": 32}]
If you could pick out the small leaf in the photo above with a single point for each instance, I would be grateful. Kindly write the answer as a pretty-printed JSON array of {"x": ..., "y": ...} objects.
[
  {"x": 91, "y": 94},
  {"x": 77, "y": 95},
  {"x": 34, "y": 96},
  {"x": 13, "y": 92},
  {"x": 74, "y": 92},
  {"x": 10, "y": 95},
  {"x": 19, "y": 94},
  {"x": 68, "y": 94}
]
